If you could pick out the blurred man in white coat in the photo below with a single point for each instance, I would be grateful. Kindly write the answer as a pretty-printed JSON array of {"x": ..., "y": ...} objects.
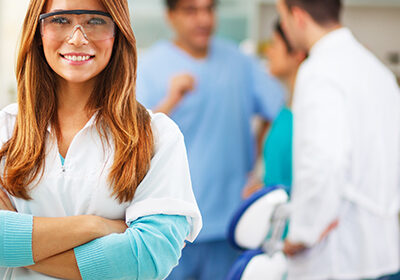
[{"x": 344, "y": 223}]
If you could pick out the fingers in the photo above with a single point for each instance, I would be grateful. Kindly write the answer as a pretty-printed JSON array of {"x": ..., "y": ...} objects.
[
  {"x": 183, "y": 83},
  {"x": 5, "y": 202},
  {"x": 331, "y": 227},
  {"x": 291, "y": 249}
]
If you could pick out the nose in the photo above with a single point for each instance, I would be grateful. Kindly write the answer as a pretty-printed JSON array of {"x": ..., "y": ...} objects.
[
  {"x": 78, "y": 37},
  {"x": 205, "y": 15}
]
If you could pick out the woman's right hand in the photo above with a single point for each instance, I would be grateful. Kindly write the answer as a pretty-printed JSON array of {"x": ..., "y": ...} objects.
[{"x": 5, "y": 202}]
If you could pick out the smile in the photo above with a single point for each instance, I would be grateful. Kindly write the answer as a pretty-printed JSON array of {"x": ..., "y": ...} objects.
[{"x": 77, "y": 58}]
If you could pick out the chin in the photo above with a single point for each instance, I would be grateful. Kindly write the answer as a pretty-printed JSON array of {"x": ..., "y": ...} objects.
[
  {"x": 202, "y": 43},
  {"x": 76, "y": 79}
]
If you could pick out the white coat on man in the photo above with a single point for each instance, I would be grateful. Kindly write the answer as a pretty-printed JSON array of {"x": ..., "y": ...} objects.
[{"x": 346, "y": 163}]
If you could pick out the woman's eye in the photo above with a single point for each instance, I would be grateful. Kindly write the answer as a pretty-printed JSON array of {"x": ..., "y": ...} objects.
[
  {"x": 96, "y": 21},
  {"x": 59, "y": 20}
]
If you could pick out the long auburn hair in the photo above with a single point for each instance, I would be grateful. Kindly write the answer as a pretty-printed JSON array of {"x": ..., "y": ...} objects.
[{"x": 113, "y": 97}]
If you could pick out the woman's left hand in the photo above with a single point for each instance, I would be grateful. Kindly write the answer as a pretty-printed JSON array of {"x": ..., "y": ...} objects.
[{"x": 5, "y": 202}]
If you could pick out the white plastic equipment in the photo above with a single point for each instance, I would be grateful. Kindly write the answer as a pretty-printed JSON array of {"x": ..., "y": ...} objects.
[{"x": 258, "y": 227}]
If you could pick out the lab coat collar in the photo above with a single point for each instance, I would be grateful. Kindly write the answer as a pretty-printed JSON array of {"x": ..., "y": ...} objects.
[
  {"x": 331, "y": 39},
  {"x": 90, "y": 123}
]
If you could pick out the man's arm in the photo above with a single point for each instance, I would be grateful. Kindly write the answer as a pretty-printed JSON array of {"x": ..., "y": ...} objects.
[{"x": 320, "y": 158}]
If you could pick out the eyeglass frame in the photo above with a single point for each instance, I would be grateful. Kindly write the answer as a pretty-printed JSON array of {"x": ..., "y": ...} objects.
[{"x": 76, "y": 12}]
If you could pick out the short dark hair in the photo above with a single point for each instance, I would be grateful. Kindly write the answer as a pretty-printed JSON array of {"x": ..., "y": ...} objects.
[
  {"x": 171, "y": 4},
  {"x": 322, "y": 11},
  {"x": 278, "y": 29}
]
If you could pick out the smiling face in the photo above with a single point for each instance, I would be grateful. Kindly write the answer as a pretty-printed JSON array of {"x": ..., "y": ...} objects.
[{"x": 77, "y": 59}]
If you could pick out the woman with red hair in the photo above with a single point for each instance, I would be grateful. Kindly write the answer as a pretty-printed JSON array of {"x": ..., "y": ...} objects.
[{"x": 94, "y": 186}]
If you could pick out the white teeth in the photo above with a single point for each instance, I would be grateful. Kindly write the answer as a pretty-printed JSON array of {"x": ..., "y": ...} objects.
[{"x": 77, "y": 58}]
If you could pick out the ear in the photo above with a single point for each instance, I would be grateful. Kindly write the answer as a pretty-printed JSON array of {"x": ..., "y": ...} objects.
[
  {"x": 169, "y": 16},
  {"x": 300, "y": 16}
]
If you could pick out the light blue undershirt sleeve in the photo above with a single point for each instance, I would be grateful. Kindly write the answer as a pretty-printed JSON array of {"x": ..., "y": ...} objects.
[
  {"x": 15, "y": 239},
  {"x": 148, "y": 249}
]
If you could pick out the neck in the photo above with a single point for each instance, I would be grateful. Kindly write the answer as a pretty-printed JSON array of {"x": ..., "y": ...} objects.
[
  {"x": 197, "y": 53},
  {"x": 290, "y": 82},
  {"x": 317, "y": 32},
  {"x": 73, "y": 97}
]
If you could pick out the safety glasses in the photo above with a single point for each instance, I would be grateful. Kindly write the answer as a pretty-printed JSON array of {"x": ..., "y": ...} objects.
[{"x": 61, "y": 25}]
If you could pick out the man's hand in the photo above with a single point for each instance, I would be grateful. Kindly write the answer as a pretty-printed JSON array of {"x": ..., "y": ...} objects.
[
  {"x": 179, "y": 86},
  {"x": 291, "y": 249}
]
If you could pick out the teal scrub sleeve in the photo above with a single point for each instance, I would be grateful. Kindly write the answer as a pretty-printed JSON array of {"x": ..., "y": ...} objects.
[
  {"x": 15, "y": 239},
  {"x": 148, "y": 249}
]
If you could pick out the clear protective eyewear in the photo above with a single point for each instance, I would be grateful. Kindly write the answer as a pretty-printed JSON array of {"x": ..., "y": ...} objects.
[{"x": 61, "y": 25}]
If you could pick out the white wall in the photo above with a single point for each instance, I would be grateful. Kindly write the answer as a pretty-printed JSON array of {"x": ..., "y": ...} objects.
[
  {"x": 378, "y": 29},
  {"x": 11, "y": 17},
  {"x": 376, "y": 26}
]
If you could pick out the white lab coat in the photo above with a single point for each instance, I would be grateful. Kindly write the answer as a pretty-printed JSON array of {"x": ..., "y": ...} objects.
[
  {"x": 81, "y": 187},
  {"x": 346, "y": 163}
]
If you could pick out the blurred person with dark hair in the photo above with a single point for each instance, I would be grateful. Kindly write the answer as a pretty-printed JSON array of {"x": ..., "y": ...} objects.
[
  {"x": 283, "y": 63},
  {"x": 212, "y": 91},
  {"x": 346, "y": 159}
]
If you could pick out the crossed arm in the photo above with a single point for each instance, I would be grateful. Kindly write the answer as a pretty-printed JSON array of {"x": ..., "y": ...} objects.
[{"x": 91, "y": 247}]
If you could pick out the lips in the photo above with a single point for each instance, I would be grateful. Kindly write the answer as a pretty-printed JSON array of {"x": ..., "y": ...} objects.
[{"x": 77, "y": 57}]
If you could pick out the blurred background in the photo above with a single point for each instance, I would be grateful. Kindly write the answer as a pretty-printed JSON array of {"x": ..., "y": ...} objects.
[{"x": 248, "y": 22}]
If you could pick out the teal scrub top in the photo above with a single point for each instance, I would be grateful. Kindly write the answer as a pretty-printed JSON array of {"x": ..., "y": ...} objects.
[{"x": 278, "y": 151}]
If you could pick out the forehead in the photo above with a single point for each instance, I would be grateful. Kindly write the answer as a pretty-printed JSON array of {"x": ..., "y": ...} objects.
[
  {"x": 52, "y": 5},
  {"x": 196, "y": 2},
  {"x": 281, "y": 3}
]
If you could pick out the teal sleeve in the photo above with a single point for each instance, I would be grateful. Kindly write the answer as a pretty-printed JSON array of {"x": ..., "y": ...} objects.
[
  {"x": 15, "y": 239},
  {"x": 278, "y": 151},
  {"x": 148, "y": 249}
]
